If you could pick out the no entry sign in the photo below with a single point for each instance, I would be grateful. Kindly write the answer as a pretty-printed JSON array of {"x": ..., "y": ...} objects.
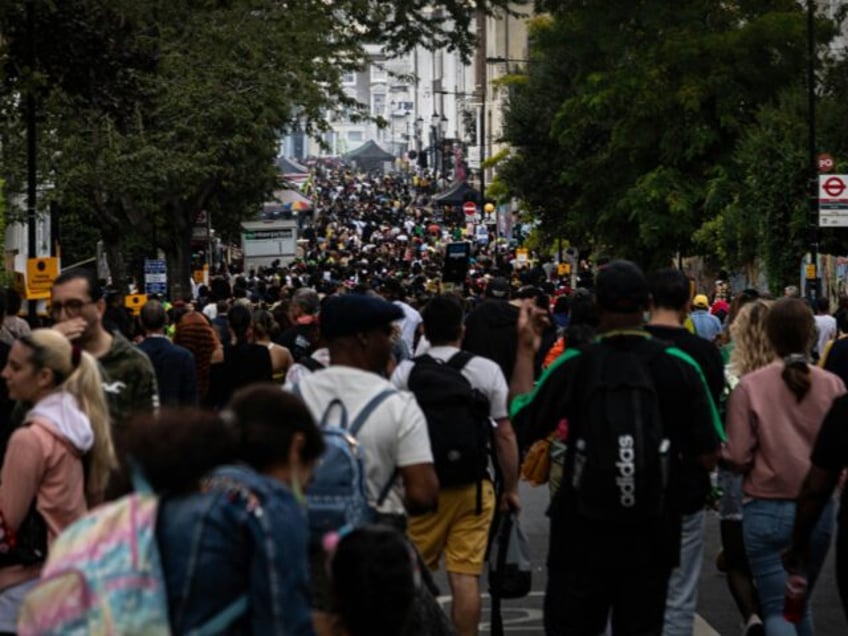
[
  {"x": 470, "y": 208},
  {"x": 833, "y": 200}
]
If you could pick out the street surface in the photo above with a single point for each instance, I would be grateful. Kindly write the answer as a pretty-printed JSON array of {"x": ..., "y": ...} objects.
[{"x": 717, "y": 614}]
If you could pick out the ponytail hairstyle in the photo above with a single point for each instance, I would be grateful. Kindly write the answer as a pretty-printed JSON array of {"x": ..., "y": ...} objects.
[
  {"x": 78, "y": 373},
  {"x": 791, "y": 329},
  {"x": 264, "y": 325},
  {"x": 240, "y": 322}
]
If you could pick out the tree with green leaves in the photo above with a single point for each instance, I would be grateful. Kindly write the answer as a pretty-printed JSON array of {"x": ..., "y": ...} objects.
[
  {"x": 152, "y": 112},
  {"x": 645, "y": 139}
]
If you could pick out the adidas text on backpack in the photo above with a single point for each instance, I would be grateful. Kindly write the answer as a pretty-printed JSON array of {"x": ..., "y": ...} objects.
[
  {"x": 618, "y": 456},
  {"x": 457, "y": 418}
]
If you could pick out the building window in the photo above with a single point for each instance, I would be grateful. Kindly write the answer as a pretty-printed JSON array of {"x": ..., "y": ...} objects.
[
  {"x": 349, "y": 78},
  {"x": 354, "y": 135},
  {"x": 378, "y": 104},
  {"x": 379, "y": 74}
]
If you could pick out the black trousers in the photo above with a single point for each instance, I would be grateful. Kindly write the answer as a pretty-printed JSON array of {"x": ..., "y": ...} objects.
[{"x": 580, "y": 599}]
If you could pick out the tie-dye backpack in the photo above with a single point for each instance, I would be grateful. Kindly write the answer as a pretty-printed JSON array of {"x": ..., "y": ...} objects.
[{"x": 104, "y": 576}]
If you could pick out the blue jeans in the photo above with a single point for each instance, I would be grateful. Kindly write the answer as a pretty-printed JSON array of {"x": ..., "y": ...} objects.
[
  {"x": 767, "y": 528},
  {"x": 682, "y": 597}
]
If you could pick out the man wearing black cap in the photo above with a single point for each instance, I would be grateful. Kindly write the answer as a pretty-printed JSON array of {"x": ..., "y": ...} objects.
[
  {"x": 357, "y": 329},
  {"x": 490, "y": 326},
  {"x": 633, "y": 408}
]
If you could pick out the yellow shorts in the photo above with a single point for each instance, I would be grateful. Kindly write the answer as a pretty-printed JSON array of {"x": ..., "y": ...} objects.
[{"x": 455, "y": 529}]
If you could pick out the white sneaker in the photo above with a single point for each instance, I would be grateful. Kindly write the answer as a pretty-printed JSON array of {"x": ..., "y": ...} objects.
[{"x": 755, "y": 627}]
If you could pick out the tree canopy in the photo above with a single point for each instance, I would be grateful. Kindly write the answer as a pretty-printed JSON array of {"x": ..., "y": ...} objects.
[
  {"x": 151, "y": 112},
  {"x": 650, "y": 128}
]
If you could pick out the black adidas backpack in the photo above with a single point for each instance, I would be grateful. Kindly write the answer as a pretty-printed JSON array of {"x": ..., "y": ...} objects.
[
  {"x": 618, "y": 458},
  {"x": 457, "y": 418}
]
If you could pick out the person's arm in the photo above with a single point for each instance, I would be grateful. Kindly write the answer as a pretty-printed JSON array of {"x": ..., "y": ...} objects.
[
  {"x": 23, "y": 470},
  {"x": 829, "y": 456},
  {"x": 741, "y": 440},
  {"x": 815, "y": 494},
  {"x": 530, "y": 328},
  {"x": 506, "y": 447},
  {"x": 421, "y": 487}
]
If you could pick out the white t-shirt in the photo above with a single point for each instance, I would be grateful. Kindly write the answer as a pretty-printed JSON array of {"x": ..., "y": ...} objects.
[
  {"x": 409, "y": 323},
  {"x": 394, "y": 436},
  {"x": 483, "y": 374},
  {"x": 826, "y": 327}
]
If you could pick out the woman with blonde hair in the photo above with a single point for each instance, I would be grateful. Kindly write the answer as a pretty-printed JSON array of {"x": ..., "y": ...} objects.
[
  {"x": 56, "y": 464},
  {"x": 751, "y": 350}
]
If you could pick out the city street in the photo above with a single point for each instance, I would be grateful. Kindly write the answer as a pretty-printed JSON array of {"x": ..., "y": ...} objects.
[{"x": 716, "y": 612}]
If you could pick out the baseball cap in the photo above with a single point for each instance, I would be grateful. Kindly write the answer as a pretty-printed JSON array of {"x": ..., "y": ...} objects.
[
  {"x": 350, "y": 314},
  {"x": 621, "y": 287},
  {"x": 701, "y": 301},
  {"x": 498, "y": 287}
]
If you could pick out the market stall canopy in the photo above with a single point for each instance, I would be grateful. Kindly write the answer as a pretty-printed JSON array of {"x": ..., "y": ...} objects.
[
  {"x": 290, "y": 166},
  {"x": 293, "y": 172},
  {"x": 285, "y": 201},
  {"x": 457, "y": 193},
  {"x": 369, "y": 156}
]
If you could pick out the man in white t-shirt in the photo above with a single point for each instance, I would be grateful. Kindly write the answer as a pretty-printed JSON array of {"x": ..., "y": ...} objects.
[
  {"x": 459, "y": 528},
  {"x": 392, "y": 290},
  {"x": 825, "y": 325},
  {"x": 394, "y": 438}
]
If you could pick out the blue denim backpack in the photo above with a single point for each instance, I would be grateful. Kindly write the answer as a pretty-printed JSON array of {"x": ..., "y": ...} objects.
[{"x": 337, "y": 496}]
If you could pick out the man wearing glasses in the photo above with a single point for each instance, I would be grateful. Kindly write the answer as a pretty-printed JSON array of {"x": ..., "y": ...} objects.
[{"x": 129, "y": 382}]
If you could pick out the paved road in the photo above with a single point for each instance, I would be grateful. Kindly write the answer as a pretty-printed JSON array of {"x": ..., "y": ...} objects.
[{"x": 717, "y": 613}]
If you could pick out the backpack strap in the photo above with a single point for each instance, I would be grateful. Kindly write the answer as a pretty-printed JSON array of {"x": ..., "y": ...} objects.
[
  {"x": 223, "y": 619},
  {"x": 459, "y": 360},
  {"x": 326, "y": 416},
  {"x": 311, "y": 363},
  {"x": 366, "y": 411}
]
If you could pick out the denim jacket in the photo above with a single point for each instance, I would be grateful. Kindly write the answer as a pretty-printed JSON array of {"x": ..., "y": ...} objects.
[{"x": 243, "y": 533}]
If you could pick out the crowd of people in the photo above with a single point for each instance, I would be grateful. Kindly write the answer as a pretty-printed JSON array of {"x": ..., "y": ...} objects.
[{"x": 320, "y": 435}]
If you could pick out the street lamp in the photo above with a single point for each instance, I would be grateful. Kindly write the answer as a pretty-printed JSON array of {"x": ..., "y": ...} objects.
[
  {"x": 418, "y": 126},
  {"x": 812, "y": 291},
  {"x": 435, "y": 125}
]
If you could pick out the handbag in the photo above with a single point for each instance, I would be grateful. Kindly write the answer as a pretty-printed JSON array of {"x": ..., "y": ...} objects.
[
  {"x": 536, "y": 467},
  {"x": 510, "y": 573}
]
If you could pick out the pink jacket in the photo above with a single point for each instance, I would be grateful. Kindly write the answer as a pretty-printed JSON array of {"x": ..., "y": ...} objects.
[
  {"x": 770, "y": 434},
  {"x": 43, "y": 462}
]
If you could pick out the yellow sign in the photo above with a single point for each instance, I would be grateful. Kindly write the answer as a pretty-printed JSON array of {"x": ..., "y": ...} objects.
[
  {"x": 811, "y": 272},
  {"x": 522, "y": 256},
  {"x": 564, "y": 269},
  {"x": 135, "y": 302},
  {"x": 41, "y": 272}
]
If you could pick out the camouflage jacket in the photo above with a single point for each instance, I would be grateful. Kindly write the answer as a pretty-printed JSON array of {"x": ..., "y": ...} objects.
[{"x": 129, "y": 381}]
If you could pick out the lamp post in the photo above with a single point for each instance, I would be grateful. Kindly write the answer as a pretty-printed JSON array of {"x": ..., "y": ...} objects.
[
  {"x": 435, "y": 124},
  {"x": 812, "y": 284},
  {"x": 418, "y": 126}
]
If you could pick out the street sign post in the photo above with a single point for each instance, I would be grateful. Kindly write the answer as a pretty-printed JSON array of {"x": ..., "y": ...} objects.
[
  {"x": 470, "y": 208},
  {"x": 833, "y": 200},
  {"x": 155, "y": 276},
  {"x": 825, "y": 162}
]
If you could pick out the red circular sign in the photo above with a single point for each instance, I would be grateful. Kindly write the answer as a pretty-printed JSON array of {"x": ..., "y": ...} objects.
[
  {"x": 825, "y": 162},
  {"x": 834, "y": 186},
  {"x": 470, "y": 208}
]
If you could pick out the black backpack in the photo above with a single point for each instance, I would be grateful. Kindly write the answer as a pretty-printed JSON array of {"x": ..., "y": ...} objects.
[
  {"x": 457, "y": 418},
  {"x": 618, "y": 458}
]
